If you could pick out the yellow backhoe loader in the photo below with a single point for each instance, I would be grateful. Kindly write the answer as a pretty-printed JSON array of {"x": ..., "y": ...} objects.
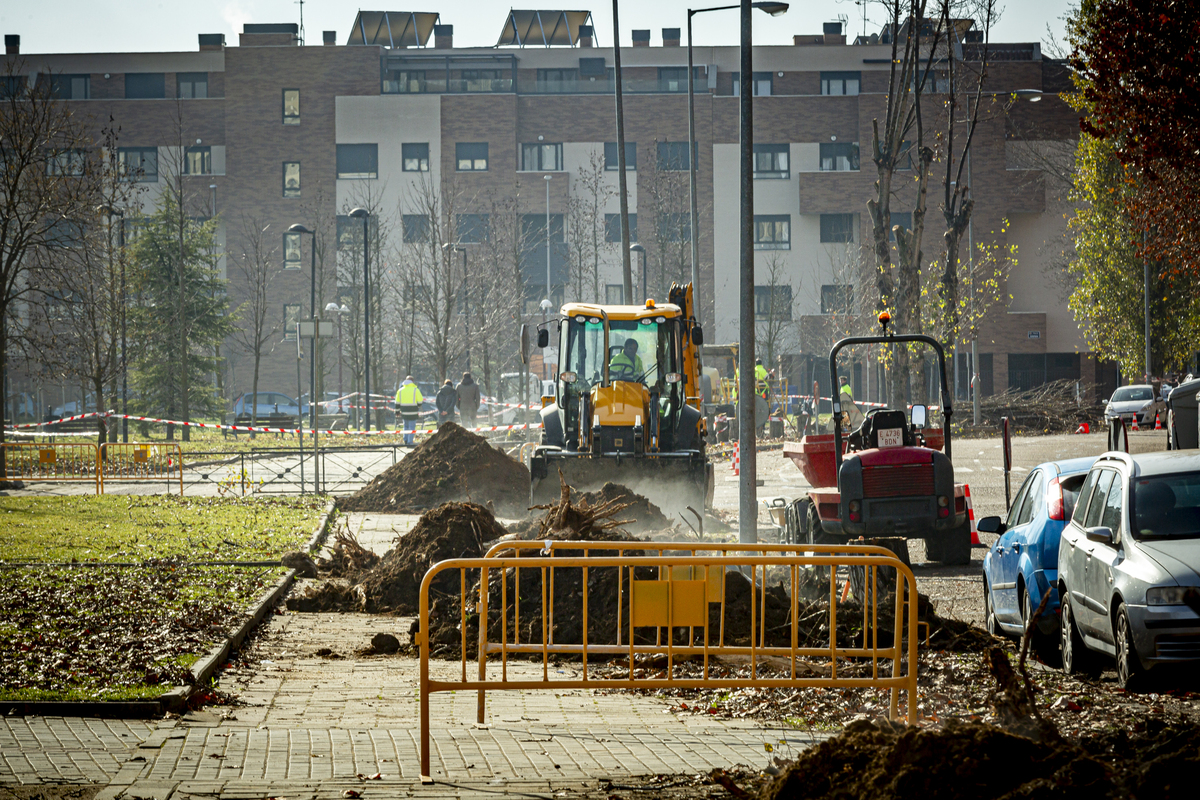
[{"x": 627, "y": 408}]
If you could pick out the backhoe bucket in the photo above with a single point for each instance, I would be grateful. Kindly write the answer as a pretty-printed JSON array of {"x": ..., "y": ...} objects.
[{"x": 670, "y": 481}]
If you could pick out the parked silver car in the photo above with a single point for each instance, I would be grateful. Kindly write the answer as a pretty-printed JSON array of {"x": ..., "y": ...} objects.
[
  {"x": 1132, "y": 401},
  {"x": 1128, "y": 565}
]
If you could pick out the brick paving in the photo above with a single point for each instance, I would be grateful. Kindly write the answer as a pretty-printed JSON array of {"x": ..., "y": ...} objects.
[{"x": 308, "y": 725}]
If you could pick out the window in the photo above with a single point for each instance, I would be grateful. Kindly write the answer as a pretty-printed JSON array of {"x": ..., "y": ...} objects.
[
  {"x": 291, "y": 250},
  {"x": 904, "y": 158},
  {"x": 592, "y": 68},
  {"x": 1085, "y": 492},
  {"x": 415, "y": 228},
  {"x": 291, "y": 179},
  {"x": 837, "y": 228},
  {"x": 762, "y": 84},
  {"x": 291, "y": 106},
  {"x": 357, "y": 161},
  {"x": 674, "y": 227},
  {"x": 837, "y": 298},
  {"x": 533, "y": 255},
  {"x": 471, "y": 156},
  {"x": 610, "y": 156},
  {"x": 415, "y": 156},
  {"x": 349, "y": 233},
  {"x": 138, "y": 163},
  {"x": 840, "y": 82},
  {"x": 839, "y": 157},
  {"x": 612, "y": 228},
  {"x": 557, "y": 80},
  {"x": 674, "y": 79},
  {"x": 145, "y": 85},
  {"x": 772, "y": 232},
  {"x": 1100, "y": 497},
  {"x": 472, "y": 228},
  {"x": 291, "y": 316},
  {"x": 901, "y": 218},
  {"x": 191, "y": 85},
  {"x": 65, "y": 233},
  {"x": 12, "y": 85},
  {"x": 673, "y": 156},
  {"x": 197, "y": 161},
  {"x": 770, "y": 161},
  {"x": 541, "y": 157},
  {"x": 70, "y": 87},
  {"x": 614, "y": 294},
  {"x": 1111, "y": 516},
  {"x": 482, "y": 80},
  {"x": 405, "y": 81},
  {"x": 66, "y": 162},
  {"x": 773, "y": 302}
]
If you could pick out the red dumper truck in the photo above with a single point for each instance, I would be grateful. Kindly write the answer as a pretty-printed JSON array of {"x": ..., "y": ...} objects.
[{"x": 892, "y": 477}]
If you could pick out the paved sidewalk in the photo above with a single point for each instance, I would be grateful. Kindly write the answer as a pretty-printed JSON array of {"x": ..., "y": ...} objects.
[{"x": 309, "y": 724}]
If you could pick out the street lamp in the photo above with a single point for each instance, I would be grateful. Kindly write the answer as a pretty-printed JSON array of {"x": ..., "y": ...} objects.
[
  {"x": 641, "y": 251},
  {"x": 111, "y": 212},
  {"x": 774, "y": 9},
  {"x": 748, "y": 479},
  {"x": 334, "y": 308},
  {"x": 1034, "y": 96},
  {"x": 466, "y": 295},
  {"x": 364, "y": 215},
  {"x": 312, "y": 352}
]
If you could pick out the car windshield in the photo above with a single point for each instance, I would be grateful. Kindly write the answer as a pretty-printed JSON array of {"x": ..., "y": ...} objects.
[
  {"x": 1129, "y": 393},
  {"x": 653, "y": 357},
  {"x": 1167, "y": 506}
]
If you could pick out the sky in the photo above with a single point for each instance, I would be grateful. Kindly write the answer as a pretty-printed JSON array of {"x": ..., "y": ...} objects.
[{"x": 70, "y": 26}]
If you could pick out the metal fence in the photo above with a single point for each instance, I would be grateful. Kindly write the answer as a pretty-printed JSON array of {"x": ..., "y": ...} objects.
[{"x": 669, "y": 608}]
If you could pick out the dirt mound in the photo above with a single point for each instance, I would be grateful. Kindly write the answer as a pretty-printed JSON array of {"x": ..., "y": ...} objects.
[
  {"x": 879, "y": 760},
  {"x": 451, "y": 465},
  {"x": 452, "y": 530},
  {"x": 643, "y": 515}
]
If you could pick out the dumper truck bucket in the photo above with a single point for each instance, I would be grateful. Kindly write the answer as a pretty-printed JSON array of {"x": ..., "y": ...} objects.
[{"x": 670, "y": 481}]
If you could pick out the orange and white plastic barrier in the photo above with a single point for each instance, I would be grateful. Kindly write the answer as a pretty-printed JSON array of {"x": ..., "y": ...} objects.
[
  {"x": 971, "y": 517},
  {"x": 737, "y": 459}
]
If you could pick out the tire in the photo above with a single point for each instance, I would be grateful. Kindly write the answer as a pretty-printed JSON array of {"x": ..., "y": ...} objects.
[
  {"x": 1077, "y": 659},
  {"x": 1044, "y": 645},
  {"x": 952, "y": 548},
  {"x": 989, "y": 613},
  {"x": 1131, "y": 675}
]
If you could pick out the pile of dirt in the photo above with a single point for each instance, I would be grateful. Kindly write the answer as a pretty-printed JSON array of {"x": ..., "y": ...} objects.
[
  {"x": 452, "y": 465},
  {"x": 883, "y": 760},
  {"x": 452, "y": 530}
]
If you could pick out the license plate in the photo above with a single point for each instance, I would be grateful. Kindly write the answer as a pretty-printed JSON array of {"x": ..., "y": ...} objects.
[{"x": 891, "y": 437}]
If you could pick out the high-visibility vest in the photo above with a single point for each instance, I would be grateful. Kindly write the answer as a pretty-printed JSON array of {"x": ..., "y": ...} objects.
[
  {"x": 621, "y": 361},
  {"x": 409, "y": 398}
]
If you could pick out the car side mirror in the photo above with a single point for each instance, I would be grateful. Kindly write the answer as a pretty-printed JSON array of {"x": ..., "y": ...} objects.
[
  {"x": 918, "y": 416},
  {"x": 697, "y": 336},
  {"x": 991, "y": 525},
  {"x": 1099, "y": 534},
  {"x": 543, "y": 337}
]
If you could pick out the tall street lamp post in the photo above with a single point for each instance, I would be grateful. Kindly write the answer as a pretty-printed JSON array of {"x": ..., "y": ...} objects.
[
  {"x": 626, "y": 270},
  {"x": 748, "y": 481},
  {"x": 364, "y": 215},
  {"x": 641, "y": 251},
  {"x": 774, "y": 9},
  {"x": 547, "y": 180},
  {"x": 312, "y": 350},
  {"x": 455, "y": 248},
  {"x": 119, "y": 214}
]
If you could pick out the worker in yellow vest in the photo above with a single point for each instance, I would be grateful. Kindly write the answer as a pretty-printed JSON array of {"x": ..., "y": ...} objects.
[
  {"x": 408, "y": 398},
  {"x": 760, "y": 378}
]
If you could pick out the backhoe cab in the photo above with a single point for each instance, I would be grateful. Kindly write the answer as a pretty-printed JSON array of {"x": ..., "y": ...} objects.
[{"x": 627, "y": 408}]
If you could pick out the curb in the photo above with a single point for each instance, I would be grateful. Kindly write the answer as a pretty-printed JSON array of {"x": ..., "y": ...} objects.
[{"x": 201, "y": 671}]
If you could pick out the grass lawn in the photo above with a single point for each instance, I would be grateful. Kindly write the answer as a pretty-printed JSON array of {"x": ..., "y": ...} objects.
[
  {"x": 131, "y": 528},
  {"x": 97, "y": 631}
]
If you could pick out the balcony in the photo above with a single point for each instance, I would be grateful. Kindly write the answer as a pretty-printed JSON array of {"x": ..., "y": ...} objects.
[
  {"x": 605, "y": 86},
  {"x": 413, "y": 85}
]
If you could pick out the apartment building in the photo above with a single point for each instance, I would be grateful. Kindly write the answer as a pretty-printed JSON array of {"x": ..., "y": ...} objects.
[{"x": 276, "y": 133}]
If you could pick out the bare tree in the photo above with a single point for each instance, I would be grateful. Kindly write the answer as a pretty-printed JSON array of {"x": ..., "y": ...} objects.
[
  {"x": 776, "y": 323},
  {"x": 44, "y": 186},
  {"x": 585, "y": 220},
  {"x": 664, "y": 221},
  {"x": 258, "y": 265}
]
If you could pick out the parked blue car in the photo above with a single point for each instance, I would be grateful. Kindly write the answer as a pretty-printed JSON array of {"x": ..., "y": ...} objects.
[{"x": 1022, "y": 564}]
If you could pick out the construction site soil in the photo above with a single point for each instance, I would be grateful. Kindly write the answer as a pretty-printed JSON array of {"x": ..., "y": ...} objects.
[{"x": 451, "y": 465}]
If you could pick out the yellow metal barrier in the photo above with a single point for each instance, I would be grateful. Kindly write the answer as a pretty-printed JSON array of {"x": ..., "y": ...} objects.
[
  {"x": 675, "y": 593},
  {"x": 52, "y": 462},
  {"x": 136, "y": 461}
]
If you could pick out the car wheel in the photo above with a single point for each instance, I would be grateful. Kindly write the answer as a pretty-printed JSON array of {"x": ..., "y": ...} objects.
[
  {"x": 989, "y": 613},
  {"x": 1044, "y": 645},
  {"x": 1076, "y": 658},
  {"x": 1130, "y": 672}
]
